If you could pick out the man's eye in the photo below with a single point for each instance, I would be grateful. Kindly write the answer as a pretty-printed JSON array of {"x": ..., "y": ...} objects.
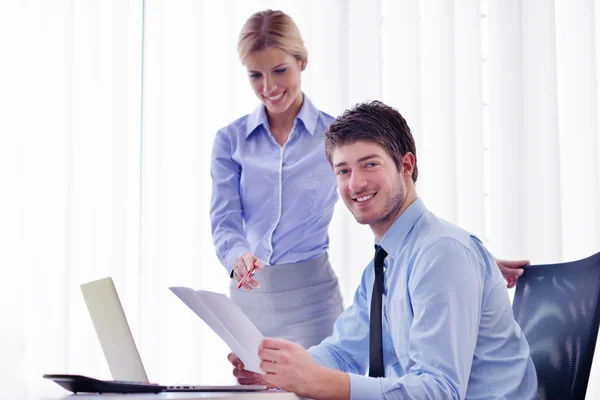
[
  {"x": 342, "y": 172},
  {"x": 254, "y": 76}
]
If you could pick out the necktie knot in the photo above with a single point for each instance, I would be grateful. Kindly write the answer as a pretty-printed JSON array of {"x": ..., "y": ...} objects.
[{"x": 380, "y": 255}]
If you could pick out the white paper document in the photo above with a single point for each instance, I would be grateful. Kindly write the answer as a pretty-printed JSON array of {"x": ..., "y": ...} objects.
[{"x": 226, "y": 319}]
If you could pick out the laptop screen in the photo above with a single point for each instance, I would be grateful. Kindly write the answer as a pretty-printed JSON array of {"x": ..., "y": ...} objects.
[{"x": 113, "y": 331}]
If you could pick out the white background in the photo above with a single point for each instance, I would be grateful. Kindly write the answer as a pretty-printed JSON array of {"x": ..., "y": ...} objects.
[{"x": 108, "y": 111}]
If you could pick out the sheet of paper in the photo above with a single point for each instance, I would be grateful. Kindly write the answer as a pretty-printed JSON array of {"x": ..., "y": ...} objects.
[{"x": 226, "y": 319}]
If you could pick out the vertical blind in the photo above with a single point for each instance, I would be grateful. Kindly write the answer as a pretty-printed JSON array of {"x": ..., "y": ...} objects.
[{"x": 109, "y": 109}]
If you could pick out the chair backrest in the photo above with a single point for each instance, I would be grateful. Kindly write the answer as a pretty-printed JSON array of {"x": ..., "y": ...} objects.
[{"x": 557, "y": 306}]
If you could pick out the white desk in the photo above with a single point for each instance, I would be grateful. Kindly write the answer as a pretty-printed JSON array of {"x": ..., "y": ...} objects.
[{"x": 269, "y": 395}]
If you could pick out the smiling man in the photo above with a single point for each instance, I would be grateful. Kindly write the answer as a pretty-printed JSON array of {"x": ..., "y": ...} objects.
[{"x": 431, "y": 318}]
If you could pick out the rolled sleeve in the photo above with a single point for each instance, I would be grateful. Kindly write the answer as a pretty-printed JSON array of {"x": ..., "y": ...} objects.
[
  {"x": 320, "y": 355},
  {"x": 364, "y": 387}
]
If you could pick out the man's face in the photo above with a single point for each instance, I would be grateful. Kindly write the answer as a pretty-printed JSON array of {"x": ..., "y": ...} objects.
[{"x": 370, "y": 183}]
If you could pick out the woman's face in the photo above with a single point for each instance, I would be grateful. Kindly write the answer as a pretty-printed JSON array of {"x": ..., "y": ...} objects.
[{"x": 275, "y": 78}]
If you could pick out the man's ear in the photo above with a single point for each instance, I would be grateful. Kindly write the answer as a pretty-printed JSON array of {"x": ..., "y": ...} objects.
[{"x": 408, "y": 163}]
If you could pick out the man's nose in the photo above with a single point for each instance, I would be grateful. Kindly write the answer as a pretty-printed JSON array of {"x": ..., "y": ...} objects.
[{"x": 358, "y": 182}]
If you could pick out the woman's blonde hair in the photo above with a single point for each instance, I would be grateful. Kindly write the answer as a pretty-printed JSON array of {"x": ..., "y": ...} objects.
[{"x": 270, "y": 28}]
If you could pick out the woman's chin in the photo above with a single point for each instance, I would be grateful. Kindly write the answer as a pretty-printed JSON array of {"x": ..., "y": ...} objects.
[{"x": 276, "y": 109}]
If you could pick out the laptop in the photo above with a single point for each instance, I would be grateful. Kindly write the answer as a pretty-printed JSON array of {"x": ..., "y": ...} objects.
[{"x": 120, "y": 350}]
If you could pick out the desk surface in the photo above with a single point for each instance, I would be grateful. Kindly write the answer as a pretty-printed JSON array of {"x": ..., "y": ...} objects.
[{"x": 271, "y": 395}]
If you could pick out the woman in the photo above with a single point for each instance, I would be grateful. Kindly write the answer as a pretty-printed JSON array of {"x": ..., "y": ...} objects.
[{"x": 273, "y": 192}]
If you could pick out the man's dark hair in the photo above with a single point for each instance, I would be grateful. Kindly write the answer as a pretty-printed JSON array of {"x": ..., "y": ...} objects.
[{"x": 373, "y": 122}]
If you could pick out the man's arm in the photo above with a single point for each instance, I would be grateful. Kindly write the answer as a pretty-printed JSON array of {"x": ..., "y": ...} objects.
[
  {"x": 347, "y": 349},
  {"x": 320, "y": 372},
  {"x": 288, "y": 366}
]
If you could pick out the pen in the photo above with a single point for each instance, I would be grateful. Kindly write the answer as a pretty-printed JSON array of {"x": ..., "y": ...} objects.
[{"x": 248, "y": 274}]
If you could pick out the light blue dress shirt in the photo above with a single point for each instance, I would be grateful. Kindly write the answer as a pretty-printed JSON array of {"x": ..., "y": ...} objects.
[
  {"x": 448, "y": 327},
  {"x": 270, "y": 200}
]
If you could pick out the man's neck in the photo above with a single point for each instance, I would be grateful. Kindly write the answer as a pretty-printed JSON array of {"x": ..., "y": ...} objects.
[{"x": 380, "y": 230}]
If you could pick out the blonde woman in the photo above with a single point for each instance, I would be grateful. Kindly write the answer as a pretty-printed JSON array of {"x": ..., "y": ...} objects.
[{"x": 273, "y": 192}]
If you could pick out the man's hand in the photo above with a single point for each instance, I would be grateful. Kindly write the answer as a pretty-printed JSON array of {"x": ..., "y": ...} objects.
[
  {"x": 511, "y": 270},
  {"x": 242, "y": 265},
  {"x": 245, "y": 377},
  {"x": 288, "y": 366}
]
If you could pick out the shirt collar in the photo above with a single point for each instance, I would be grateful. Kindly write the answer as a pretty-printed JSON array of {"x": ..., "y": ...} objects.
[
  {"x": 395, "y": 235},
  {"x": 308, "y": 114}
]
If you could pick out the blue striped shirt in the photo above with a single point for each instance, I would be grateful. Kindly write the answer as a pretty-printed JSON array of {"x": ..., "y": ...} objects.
[
  {"x": 448, "y": 327},
  {"x": 270, "y": 200}
]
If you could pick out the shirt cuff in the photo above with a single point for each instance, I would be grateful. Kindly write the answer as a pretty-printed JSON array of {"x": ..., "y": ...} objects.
[
  {"x": 231, "y": 256},
  {"x": 364, "y": 387}
]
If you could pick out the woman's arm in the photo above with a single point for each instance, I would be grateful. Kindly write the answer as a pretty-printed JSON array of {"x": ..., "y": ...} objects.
[{"x": 226, "y": 208}]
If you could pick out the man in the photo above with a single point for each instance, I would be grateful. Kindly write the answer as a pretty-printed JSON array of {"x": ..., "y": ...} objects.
[{"x": 431, "y": 318}]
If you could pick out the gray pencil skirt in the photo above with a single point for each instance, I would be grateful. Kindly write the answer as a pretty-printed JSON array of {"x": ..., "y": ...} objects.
[{"x": 298, "y": 302}]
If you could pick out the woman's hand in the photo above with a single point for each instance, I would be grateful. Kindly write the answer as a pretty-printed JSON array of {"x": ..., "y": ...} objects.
[
  {"x": 242, "y": 265},
  {"x": 511, "y": 270}
]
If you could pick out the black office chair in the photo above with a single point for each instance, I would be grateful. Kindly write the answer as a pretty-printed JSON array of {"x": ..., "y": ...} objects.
[{"x": 558, "y": 308}]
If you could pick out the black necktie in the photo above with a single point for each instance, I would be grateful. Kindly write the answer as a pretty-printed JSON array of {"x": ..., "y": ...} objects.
[{"x": 375, "y": 339}]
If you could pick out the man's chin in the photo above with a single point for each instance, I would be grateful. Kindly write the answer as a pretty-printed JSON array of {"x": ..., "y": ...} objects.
[{"x": 362, "y": 218}]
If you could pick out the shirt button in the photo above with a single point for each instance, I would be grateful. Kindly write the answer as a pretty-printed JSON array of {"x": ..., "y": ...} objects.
[{"x": 394, "y": 351}]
